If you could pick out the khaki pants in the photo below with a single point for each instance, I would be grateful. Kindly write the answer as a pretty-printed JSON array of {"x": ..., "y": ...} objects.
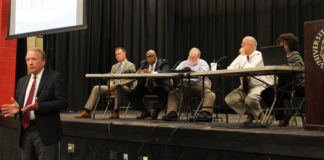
[
  {"x": 243, "y": 103},
  {"x": 121, "y": 93},
  {"x": 195, "y": 91}
]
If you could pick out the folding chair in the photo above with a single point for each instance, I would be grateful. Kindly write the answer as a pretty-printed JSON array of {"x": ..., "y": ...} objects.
[
  {"x": 298, "y": 103},
  {"x": 192, "y": 108},
  {"x": 292, "y": 103},
  {"x": 110, "y": 100}
]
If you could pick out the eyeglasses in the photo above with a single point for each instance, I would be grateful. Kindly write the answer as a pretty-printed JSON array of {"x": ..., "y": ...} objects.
[{"x": 150, "y": 56}]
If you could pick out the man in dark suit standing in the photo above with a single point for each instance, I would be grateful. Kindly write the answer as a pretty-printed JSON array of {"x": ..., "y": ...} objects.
[
  {"x": 39, "y": 98},
  {"x": 158, "y": 86}
]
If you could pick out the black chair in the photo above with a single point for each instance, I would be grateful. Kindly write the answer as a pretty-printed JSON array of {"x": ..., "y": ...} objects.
[{"x": 292, "y": 104}]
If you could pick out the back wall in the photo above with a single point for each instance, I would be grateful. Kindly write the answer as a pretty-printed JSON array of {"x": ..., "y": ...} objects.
[{"x": 171, "y": 27}]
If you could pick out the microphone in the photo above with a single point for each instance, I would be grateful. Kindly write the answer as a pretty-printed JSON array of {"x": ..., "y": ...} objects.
[
  {"x": 220, "y": 59},
  {"x": 215, "y": 64},
  {"x": 176, "y": 64},
  {"x": 141, "y": 67}
]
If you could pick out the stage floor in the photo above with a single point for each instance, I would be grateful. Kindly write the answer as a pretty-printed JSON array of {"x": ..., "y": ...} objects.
[
  {"x": 234, "y": 123},
  {"x": 97, "y": 138},
  {"x": 232, "y": 138}
]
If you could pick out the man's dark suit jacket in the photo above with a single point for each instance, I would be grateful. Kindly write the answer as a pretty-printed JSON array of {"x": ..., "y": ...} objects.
[
  {"x": 162, "y": 66},
  {"x": 52, "y": 98}
]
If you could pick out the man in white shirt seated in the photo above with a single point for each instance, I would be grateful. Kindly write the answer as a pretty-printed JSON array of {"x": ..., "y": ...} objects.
[{"x": 246, "y": 98}]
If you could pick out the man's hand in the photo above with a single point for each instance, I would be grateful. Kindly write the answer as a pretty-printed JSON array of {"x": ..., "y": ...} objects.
[
  {"x": 145, "y": 71},
  {"x": 33, "y": 106},
  {"x": 242, "y": 51},
  {"x": 10, "y": 109},
  {"x": 112, "y": 87}
]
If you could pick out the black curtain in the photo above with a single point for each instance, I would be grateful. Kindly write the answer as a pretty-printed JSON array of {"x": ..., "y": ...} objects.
[
  {"x": 21, "y": 68},
  {"x": 172, "y": 28}
]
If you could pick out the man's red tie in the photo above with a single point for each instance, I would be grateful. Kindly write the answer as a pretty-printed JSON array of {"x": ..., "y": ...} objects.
[
  {"x": 246, "y": 80},
  {"x": 26, "y": 116}
]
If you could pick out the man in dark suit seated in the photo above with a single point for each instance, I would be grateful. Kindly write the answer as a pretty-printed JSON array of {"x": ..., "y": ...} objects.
[
  {"x": 158, "y": 86},
  {"x": 39, "y": 98}
]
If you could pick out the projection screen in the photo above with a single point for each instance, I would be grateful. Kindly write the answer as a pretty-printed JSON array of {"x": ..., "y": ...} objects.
[{"x": 40, "y": 17}]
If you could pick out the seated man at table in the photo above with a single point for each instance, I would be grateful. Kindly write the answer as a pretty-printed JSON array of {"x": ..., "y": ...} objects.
[
  {"x": 195, "y": 64},
  {"x": 157, "y": 86},
  {"x": 121, "y": 87},
  {"x": 246, "y": 98}
]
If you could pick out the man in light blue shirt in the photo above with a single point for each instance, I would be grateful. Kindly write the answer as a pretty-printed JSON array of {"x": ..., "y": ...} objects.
[{"x": 195, "y": 64}]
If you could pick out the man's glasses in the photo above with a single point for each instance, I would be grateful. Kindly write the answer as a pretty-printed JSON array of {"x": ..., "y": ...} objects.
[{"x": 150, "y": 56}]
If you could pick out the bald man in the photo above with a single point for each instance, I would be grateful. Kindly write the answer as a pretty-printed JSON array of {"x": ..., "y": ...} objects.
[
  {"x": 158, "y": 86},
  {"x": 246, "y": 98},
  {"x": 194, "y": 87}
]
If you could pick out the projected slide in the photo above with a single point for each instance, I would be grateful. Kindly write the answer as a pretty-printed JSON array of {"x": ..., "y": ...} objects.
[
  {"x": 40, "y": 17},
  {"x": 36, "y": 15}
]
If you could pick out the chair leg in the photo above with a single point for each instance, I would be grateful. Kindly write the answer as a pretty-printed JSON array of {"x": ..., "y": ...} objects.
[
  {"x": 226, "y": 115},
  {"x": 272, "y": 119},
  {"x": 198, "y": 108},
  {"x": 107, "y": 107},
  {"x": 125, "y": 113},
  {"x": 267, "y": 114},
  {"x": 302, "y": 117},
  {"x": 95, "y": 108},
  {"x": 217, "y": 117},
  {"x": 293, "y": 121},
  {"x": 299, "y": 112},
  {"x": 105, "y": 112}
]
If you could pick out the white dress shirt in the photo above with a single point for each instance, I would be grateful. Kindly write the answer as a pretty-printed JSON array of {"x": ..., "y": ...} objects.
[
  {"x": 30, "y": 83},
  {"x": 153, "y": 70},
  {"x": 255, "y": 60}
]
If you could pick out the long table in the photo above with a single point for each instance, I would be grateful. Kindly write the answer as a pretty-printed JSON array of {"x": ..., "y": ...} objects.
[
  {"x": 132, "y": 75},
  {"x": 109, "y": 76},
  {"x": 257, "y": 71},
  {"x": 266, "y": 70}
]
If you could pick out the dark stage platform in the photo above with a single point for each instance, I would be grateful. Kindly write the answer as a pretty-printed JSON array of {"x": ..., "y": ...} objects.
[{"x": 113, "y": 139}]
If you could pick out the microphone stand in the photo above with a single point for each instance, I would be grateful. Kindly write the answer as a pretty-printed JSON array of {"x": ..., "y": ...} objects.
[
  {"x": 176, "y": 64},
  {"x": 141, "y": 67}
]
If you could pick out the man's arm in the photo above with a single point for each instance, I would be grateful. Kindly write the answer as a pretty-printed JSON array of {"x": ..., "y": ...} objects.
[
  {"x": 14, "y": 107},
  {"x": 236, "y": 63},
  {"x": 181, "y": 66},
  {"x": 203, "y": 67},
  {"x": 164, "y": 67},
  {"x": 112, "y": 70},
  {"x": 55, "y": 101},
  {"x": 131, "y": 67},
  {"x": 255, "y": 61},
  {"x": 10, "y": 109}
]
